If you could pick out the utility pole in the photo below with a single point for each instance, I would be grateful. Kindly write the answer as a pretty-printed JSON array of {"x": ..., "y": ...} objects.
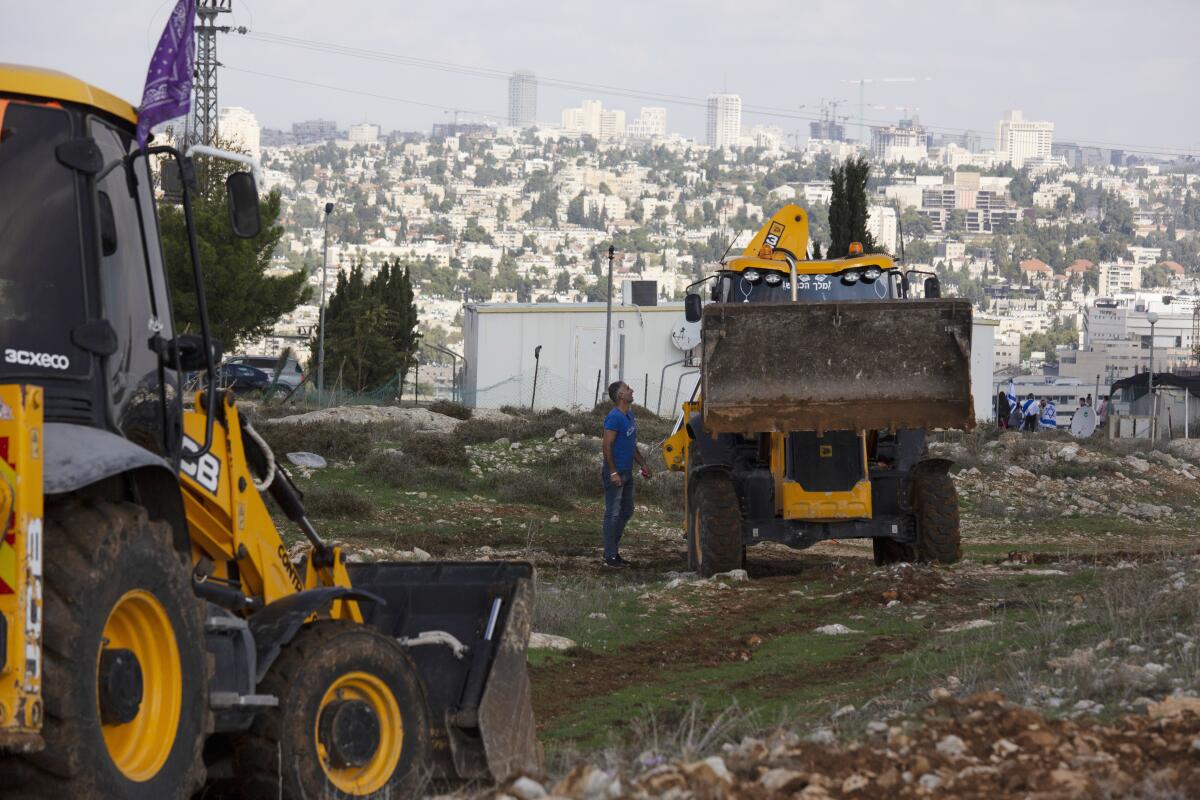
[
  {"x": 321, "y": 335},
  {"x": 608, "y": 318},
  {"x": 207, "y": 109}
]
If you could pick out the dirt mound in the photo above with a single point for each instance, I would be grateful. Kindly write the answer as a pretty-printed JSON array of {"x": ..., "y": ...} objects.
[
  {"x": 977, "y": 747},
  {"x": 420, "y": 420}
]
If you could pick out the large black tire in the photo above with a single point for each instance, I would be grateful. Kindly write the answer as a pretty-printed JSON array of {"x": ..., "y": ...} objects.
[
  {"x": 936, "y": 503},
  {"x": 278, "y": 758},
  {"x": 95, "y": 556},
  {"x": 714, "y": 525},
  {"x": 939, "y": 540}
]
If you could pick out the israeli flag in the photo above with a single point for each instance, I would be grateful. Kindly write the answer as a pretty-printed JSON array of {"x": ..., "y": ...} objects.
[
  {"x": 1050, "y": 416},
  {"x": 1011, "y": 391}
]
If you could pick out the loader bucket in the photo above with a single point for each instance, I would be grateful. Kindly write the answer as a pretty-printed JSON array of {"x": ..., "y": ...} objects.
[
  {"x": 837, "y": 366},
  {"x": 477, "y": 734}
]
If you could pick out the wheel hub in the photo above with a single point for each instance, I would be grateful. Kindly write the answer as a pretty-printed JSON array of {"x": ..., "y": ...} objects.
[
  {"x": 349, "y": 730},
  {"x": 120, "y": 686}
]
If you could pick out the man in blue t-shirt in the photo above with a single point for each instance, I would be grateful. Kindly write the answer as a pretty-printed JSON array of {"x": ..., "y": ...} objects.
[{"x": 620, "y": 453}]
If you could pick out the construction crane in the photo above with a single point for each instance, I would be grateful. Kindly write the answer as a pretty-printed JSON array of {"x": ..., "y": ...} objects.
[{"x": 862, "y": 82}]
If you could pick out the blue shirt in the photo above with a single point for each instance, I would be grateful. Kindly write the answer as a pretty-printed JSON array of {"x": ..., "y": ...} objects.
[{"x": 625, "y": 444}]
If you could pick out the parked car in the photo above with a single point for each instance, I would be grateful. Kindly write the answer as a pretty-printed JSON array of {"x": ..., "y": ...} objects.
[
  {"x": 243, "y": 378},
  {"x": 289, "y": 377}
]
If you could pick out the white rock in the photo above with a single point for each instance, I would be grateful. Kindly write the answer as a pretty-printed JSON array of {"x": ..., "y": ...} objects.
[
  {"x": 836, "y": 629},
  {"x": 822, "y": 736},
  {"x": 951, "y": 746},
  {"x": 553, "y": 518},
  {"x": 1014, "y": 471},
  {"x": 734, "y": 575},
  {"x": 1003, "y": 747},
  {"x": 969, "y": 625},
  {"x": 527, "y": 789},
  {"x": 515, "y": 446},
  {"x": 929, "y": 781},
  {"x": 561, "y": 433},
  {"x": 843, "y": 711},
  {"x": 548, "y": 641},
  {"x": 1137, "y": 464}
]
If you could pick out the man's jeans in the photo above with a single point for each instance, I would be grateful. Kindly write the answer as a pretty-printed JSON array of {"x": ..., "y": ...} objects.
[{"x": 618, "y": 508}]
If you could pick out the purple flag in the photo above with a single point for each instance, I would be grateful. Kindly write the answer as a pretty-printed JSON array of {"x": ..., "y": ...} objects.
[{"x": 168, "y": 92}]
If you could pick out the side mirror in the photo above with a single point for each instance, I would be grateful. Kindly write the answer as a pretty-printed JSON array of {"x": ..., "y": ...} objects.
[
  {"x": 693, "y": 308},
  {"x": 242, "y": 195},
  {"x": 933, "y": 288}
]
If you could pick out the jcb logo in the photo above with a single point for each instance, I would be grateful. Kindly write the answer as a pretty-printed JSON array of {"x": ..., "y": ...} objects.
[{"x": 205, "y": 470}]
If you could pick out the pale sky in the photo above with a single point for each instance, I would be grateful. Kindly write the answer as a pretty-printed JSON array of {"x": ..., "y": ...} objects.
[{"x": 1105, "y": 72}]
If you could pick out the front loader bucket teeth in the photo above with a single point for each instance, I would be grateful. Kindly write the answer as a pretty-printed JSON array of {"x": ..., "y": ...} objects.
[
  {"x": 479, "y": 701},
  {"x": 837, "y": 366}
]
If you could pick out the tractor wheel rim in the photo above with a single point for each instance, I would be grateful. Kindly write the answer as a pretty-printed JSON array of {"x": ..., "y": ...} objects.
[
  {"x": 139, "y": 623},
  {"x": 376, "y": 771}
]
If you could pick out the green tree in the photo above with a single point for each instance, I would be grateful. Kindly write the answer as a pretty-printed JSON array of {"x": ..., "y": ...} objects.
[
  {"x": 848, "y": 208},
  {"x": 243, "y": 302},
  {"x": 370, "y": 328}
]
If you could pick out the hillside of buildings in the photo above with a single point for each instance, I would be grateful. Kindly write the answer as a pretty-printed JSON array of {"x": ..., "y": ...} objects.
[{"x": 1069, "y": 249}]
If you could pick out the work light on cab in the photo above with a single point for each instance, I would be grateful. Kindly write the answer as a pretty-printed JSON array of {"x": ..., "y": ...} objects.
[
  {"x": 851, "y": 276},
  {"x": 871, "y": 273},
  {"x": 773, "y": 278},
  {"x": 752, "y": 275}
]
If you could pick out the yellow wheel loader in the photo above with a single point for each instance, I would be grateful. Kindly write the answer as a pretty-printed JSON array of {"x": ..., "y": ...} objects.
[
  {"x": 153, "y": 627},
  {"x": 818, "y": 381}
]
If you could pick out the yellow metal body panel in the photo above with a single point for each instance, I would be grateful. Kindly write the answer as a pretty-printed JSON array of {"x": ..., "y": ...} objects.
[
  {"x": 831, "y": 266},
  {"x": 786, "y": 230},
  {"x": 229, "y": 523},
  {"x": 50, "y": 84},
  {"x": 792, "y": 501},
  {"x": 21, "y": 471}
]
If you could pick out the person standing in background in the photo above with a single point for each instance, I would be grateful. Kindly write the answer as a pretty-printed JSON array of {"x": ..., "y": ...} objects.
[{"x": 620, "y": 453}]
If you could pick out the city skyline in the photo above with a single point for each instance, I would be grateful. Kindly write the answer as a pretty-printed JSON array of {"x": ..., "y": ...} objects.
[{"x": 1068, "y": 85}]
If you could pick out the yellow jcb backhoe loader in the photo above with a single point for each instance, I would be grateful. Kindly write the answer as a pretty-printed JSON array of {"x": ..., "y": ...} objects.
[
  {"x": 152, "y": 625},
  {"x": 818, "y": 382}
]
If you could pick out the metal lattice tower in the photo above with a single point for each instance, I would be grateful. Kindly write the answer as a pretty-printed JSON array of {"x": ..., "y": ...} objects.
[
  {"x": 205, "y": 109},
  {"x": 1196, "y": 332}
]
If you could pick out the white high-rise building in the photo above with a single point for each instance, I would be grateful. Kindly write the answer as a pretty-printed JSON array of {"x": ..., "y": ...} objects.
[
  {"x": 593, "y": 119},
  {"x": 881, "y": 224},
  {"x": 724, "y": 120},
  {"x": 522, "y": 99},
  {"x": 650, "y": 124},
  {"x": 364, "y": 133},
  {"x": 240, "y": 127},
  {"x": 1019, "y": 140}
]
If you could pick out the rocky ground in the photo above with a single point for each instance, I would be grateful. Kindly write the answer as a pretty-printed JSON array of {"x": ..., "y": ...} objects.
[{"x": 1059, "y": 659}]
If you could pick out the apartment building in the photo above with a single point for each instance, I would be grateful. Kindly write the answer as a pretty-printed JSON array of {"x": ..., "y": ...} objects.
[
  {"x": 1020, "y": 139},
  {"x": 724, "y": 123}
]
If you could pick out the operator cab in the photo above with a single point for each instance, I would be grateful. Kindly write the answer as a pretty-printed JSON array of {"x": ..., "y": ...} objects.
[{"x": 750, "y": 279}]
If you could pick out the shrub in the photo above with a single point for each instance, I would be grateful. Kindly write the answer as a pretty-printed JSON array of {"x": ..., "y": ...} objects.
[
  {"x": 336, "y": 441},
  {"x": 482, "y": 431},
  {"x": 664, "y": 490},
  {"x": 450, "y": 409},
  {"x": 336, "y": 503},
  {"x": 391, "y": 467},
  {"x": 533, "y": 488},
  {"x": 435, "y": 450}
]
